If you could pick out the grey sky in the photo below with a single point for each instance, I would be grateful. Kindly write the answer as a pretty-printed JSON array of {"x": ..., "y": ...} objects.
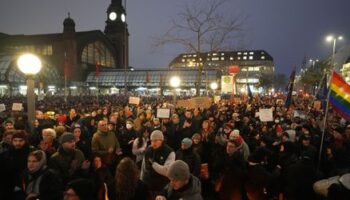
[{"x": 287, "y": 29}]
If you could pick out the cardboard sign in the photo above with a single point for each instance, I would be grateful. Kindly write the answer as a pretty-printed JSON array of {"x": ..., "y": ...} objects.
[
  {"x": 265, "y": 115},
  {"x": 317, "y": 105},
  {"x": 134, "y": 100},
  {"x": 17, "y": 106},
  {"x": 2, "y": 107},
  {"x": 163, "y": 113},
  {"x": 197, "y": 102},
  {"x": 201, "y": 102}
]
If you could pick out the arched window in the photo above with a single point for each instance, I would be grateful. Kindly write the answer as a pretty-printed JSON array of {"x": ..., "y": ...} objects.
[{"x": 97, "y": 52}]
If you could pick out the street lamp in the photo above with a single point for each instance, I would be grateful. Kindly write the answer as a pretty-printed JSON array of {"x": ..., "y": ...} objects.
[
  {"x": 175, "y": 83},
  {"x": 30, "y": 65},
  {"x": 334, "y": 39},
  {"x": 213, "y": 86}
]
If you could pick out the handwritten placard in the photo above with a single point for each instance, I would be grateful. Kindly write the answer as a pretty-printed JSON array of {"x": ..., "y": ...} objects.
[
  {"x": 17, "y": 106},
  {"x": 134, "y": 100},
  {"x": 163, "y": 113},
  {"x": 265, "y": 115}
]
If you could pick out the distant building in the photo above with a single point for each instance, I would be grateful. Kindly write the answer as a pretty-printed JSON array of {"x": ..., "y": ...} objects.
[
  {"x": 253, "y": 64},
  {"x": 346, "y": 70},
  {"x": 69, "y": 55}
]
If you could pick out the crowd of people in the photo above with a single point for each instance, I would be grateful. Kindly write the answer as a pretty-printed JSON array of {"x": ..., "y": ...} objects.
[{"x": 104, "y": 148}]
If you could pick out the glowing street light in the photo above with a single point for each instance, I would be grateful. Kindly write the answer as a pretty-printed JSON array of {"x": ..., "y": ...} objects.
[
  {"x": 30, "y": 65},
  {"x": 175, "y": 83},
  {"x": 213, "y": 85},
  {"x": 334, "y": 39}
]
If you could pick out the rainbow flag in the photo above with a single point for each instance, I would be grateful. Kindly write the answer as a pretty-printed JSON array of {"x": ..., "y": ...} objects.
[{"x": 340, "y": 96}]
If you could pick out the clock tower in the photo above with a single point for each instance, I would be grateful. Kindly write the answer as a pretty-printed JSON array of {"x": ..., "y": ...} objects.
[{"x": 117, "y": 31}]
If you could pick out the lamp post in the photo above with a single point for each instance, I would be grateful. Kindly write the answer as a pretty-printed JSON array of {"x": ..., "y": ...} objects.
[
  {"x": 313, "y": 62},
  {"x": 30, "y": 65},
  {"x": 334, "y": 39},
  {"x": 174, "y": 83},
  {"x": 213, "y": 86}
]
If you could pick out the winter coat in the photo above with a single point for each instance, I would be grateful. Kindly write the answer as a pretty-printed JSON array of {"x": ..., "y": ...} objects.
[
  {"x": 12, "y": 163},
  {"x": 191, "y": 158},
  {"x": 155, "y": 166},
  {"x": 191, "y": 191},
  {"x": 67, "y": 164},
  {"x": 45, "y": 183}
]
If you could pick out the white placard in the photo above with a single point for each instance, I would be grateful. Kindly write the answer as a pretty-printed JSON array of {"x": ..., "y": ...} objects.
[
  {"x": 17, "y": 106},
  {"x": 300, "y": 114},
  {"x": 134, "y": 100},
  {"x": 226, "y": 84},
  {"x": 265, "y": 115},
  {"x": 2, "y": 107},
  {"x": 163, "y": 113}
]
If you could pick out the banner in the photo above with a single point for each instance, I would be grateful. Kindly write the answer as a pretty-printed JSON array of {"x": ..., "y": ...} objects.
[
  {"x": 226, "y": 84},
  {"x": 265, "y": 115},
  {"x": 197, "y": 102},
  {"x": 134, "y": 100},
  {"x": 163, "y": 113}
]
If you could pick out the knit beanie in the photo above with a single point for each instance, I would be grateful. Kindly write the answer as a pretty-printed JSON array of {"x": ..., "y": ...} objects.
[
  {"x": 234, "y": 134},
  {"x": 187, "y": 142},
  {"x": 66, "y": 137},
  {"x": 179, "y": 170},
  {"x": 157, "y": 135}
]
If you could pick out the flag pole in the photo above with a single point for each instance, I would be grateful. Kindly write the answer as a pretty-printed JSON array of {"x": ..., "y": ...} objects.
[{"x": 325, "y": 120}]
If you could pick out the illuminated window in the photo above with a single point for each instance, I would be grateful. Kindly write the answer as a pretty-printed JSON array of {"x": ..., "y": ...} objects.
[
  {"x": 250, "y": 57},
  {"x": 183, "y": 60},
  {"x": 239, "y": 58},
  {"x": 97, "y": 52},
  {"x": 184, "y": 56},
  {"x": 263, "y": 57},
  {"x": 222, "y": 54},
  {"x": 256, "y": 68},
  {"x": 215, "y": 54},
  {"x": 251, "y": 69},
  {"x": 215, "y": 58},
  {"x": 239, "y": 53},
  {"x": 251, "y": 53},
  {"x": 231, "y": 58},
  {"x": 244, "y": 57},
  {"x": 244, "y": 69},
  {"x": 245, "y": 53},
  {"x": 222, "y": 58}
]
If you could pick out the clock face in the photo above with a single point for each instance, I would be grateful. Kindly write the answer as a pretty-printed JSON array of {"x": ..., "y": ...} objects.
[
  {"x": 112, "y": 16},
  {"x": 123, "y": 17}
]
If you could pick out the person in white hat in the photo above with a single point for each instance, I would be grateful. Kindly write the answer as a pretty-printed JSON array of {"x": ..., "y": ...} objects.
[{"x": 156, "y": 162}]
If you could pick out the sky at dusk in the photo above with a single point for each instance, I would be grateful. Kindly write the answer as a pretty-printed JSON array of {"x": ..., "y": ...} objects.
[{"x": 287, "y": 29}]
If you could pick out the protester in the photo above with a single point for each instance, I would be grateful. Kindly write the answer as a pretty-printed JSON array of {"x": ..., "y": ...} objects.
[
  {"x": 155, "y": 164},
  {"x": 182, "y": 184}
]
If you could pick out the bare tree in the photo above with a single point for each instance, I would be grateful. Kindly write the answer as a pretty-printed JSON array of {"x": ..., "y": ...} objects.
[{"x": 202, "y": 27}]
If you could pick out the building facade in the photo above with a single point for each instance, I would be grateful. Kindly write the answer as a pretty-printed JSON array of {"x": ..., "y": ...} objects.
[
  {"x": 67, "y": 57},
  {"x": 253, "y": 64}
]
